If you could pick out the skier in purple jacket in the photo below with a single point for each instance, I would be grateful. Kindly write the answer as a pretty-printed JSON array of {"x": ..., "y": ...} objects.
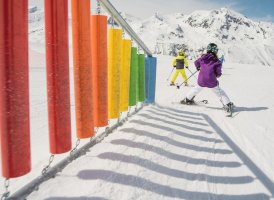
[{"x": 210, "y": 69}]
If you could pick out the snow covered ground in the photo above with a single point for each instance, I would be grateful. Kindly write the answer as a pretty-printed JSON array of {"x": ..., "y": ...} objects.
[
  {"x": 166, "y": 151},
  {"x": 169, "y": 151}
]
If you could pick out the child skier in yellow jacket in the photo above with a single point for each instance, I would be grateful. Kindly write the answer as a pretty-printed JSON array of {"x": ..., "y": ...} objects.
[{"x": 180, "y": 62}]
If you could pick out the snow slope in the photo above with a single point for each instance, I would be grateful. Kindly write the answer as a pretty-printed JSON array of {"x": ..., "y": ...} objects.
[{"x": 170, "y": 151}]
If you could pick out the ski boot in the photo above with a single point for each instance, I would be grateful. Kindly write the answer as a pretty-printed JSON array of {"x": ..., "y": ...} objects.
[
  {"x": 229, "y": 108},
  {"x": 172, "y": 84},
  {"x": 188, "y": 101}
]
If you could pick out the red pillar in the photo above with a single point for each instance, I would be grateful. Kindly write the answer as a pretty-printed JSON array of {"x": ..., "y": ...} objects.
[
  {"x": 14, "y": 88},
  {"x": 57, "y": 57}
]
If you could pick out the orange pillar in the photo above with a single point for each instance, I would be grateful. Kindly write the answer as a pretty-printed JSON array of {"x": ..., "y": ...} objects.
[
  {"x": 82, "y": 67},
  {"x": 99, "y": 69}
]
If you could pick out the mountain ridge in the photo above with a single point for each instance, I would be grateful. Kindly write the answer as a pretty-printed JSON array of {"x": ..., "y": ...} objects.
[{"x": 239, "y": 38}]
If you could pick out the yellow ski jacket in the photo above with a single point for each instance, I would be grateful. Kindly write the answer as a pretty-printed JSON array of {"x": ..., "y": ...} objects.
[{"x": 180, "y": 62}]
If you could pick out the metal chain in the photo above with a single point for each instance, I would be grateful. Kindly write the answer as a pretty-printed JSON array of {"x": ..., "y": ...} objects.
[
  {"x": 6, "y": 194},
  {"x": 128, "y": 112},
  {"x": 107, "y": 127},
  {"x": 123, "y": 33},
  {"x": 76, "y": 145},
  {"x": 140, "y": 50},
  {"x": 112, "y": 21},
  {"x": 119, "y": 118},
  {"x": 48, "y": 166},
  {"x": 98, "y": 7},
  {"x": 95, "y": 132}
]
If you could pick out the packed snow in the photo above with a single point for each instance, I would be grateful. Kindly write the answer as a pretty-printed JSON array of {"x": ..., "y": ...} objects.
[
  {"x": 170, "y": 151},
  {"x": 167, "y": 150}
]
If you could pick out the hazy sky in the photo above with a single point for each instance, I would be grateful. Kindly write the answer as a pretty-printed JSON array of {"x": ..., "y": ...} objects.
[{"x": 255, "y": 9}]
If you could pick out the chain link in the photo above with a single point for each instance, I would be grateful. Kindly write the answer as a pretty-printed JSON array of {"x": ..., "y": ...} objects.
[
  {"x": 124, "y": 34},
  {"x": 6, "y": 194},
  {"x": 98, "y": 7},
  {"x": 119, "y": 118},
  {"x": 95, "y": 132},
  {"x": 107, "y": 127},
  {"x": 112, "y": 21},
  {"x": 76, "y": 145},
  {"x": 128, "y": 112},
  {"x": 51, "y": 158}
]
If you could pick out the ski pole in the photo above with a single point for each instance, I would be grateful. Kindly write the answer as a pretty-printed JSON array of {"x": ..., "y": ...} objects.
[
  {"x": 192, "y": 73},
  {"x": 178, "y": 86},
  {"x": 170, "y": 74}
]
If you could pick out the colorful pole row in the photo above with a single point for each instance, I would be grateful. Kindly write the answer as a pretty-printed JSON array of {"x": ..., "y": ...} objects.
[{"x": 109, "y": 76}]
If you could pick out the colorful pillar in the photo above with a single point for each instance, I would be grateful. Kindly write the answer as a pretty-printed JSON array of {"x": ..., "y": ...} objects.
[
  {"x": 141, "y": 77},
  {"x": 114, "y": 72},
  {"x": 82, "y": 67},
  {"x": 14, "y": 88},
  {"x": 57, "y": 57},
  {"x": 133, "y": 77},
  {"x": 99, "y": 69},
  {"x": 125, "y": 75},
  {"x": 150, "y": 70}
]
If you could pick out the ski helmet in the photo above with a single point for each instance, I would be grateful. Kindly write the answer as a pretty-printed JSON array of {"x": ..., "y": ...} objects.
[
  {"x": 212, "y": 48},
  {"x": 181, "y": 52}
]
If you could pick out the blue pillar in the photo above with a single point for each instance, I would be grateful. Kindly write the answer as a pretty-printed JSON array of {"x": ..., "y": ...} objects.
[{"x": 150, "y": 75}]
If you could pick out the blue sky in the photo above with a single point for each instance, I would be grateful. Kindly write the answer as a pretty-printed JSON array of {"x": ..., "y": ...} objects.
[{"x": 254, "y": 9}]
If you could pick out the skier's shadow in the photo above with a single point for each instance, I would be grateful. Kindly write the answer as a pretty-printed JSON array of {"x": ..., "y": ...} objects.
[
  {"x": 249, "y": 109},
  {"x": 260, "y": 175},
  {"x": 237, "y": 110}
]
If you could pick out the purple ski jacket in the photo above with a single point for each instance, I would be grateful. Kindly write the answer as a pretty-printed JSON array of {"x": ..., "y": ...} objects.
[{"x": 210, "y": 68}]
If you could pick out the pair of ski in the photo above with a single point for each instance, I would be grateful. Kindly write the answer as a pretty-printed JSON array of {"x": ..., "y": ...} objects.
[
  {"x": 228, "y": 109},
  {"x": 178, "y": 86}
]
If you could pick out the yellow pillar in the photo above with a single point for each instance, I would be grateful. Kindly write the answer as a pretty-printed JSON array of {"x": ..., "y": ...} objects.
[{"x": 114, "y": 71}]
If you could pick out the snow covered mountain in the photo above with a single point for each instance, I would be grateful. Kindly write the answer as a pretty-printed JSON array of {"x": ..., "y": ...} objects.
[{"x": 239, "y": 38}]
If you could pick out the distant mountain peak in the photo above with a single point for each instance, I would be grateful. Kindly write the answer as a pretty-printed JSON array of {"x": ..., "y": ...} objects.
[{"x": 240, "y": 38}]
